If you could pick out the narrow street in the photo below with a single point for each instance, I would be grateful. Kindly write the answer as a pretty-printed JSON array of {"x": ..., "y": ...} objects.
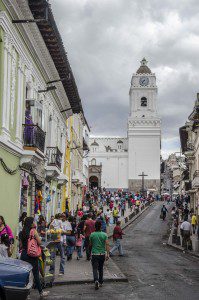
[{"x": 154, "y": 271}]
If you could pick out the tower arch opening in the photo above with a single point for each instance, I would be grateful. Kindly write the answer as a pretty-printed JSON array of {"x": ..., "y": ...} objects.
[
  {"x": 93, "y": 182},
  {"x": 143, "y": 102}
]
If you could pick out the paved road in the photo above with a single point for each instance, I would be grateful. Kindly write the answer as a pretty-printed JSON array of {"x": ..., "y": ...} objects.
[{"x": 154, "y": 271}]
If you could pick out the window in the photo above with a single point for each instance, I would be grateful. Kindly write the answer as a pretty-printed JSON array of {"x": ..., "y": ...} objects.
[
  {"x": 93, "y": 162},
  {"x": 144, "y": 101}
]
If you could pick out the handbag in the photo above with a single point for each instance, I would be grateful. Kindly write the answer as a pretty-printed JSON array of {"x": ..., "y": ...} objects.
[
  {"x": 161, "y": 215},
  {"x": 33, "y": 249}
]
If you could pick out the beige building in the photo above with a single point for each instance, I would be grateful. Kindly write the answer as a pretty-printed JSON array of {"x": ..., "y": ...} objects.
[{"x": 189, "y": 136}]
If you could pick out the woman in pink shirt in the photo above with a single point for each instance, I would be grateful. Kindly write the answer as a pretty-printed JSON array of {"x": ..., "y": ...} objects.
[
  {"x": 79, "y": 242},
  {"x": 5, "y": 229}
]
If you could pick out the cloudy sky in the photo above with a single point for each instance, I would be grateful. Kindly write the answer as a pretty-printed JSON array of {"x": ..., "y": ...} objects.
[{"x": 105, "y": 41}]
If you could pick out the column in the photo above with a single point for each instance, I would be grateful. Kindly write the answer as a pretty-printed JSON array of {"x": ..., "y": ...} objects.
[
  {"x": 4, "y": 104},
  {"x": 33, "y": 197},
  {"x": 9, "y": 85},
  {"x": 19, "y": 103}
]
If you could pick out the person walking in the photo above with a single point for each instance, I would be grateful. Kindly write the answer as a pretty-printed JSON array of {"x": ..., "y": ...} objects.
[
  {"x": 117, "y": 236},
  {"x": 123, "y": 208},
  {"x": 57, "y": 225},
  {"x": 164, "y": 212},
  {"x": 100, "y": 251},
  {"x": 25, "y": 234},
  {"x": 115, "y": 215},
  {"x": 70, "y": 239},
  {"x": 185, "y": 229},
  {"x": 194, "y": 222},
  {"x": 79, "y": 243},
  {"x": 89, "y": 227}
]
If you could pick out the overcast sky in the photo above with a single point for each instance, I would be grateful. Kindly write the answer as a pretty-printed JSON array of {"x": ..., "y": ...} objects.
[{"x": 105, "y": 41}]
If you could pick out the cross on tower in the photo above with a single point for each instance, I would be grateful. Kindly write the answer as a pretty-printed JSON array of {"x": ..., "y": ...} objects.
[{"x": 143, "y": 175}]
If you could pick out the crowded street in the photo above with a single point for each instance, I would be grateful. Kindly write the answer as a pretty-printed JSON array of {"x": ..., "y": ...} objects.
[
  {"x": 99, "y": 150},
  {"x": 154, "y": 270}
]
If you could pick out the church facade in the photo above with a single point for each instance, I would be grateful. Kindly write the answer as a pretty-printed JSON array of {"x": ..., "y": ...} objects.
[{"x": 124, "y": 159}]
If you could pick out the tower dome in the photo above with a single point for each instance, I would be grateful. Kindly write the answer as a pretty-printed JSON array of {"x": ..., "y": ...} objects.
[{"x": 144, "y": 69}]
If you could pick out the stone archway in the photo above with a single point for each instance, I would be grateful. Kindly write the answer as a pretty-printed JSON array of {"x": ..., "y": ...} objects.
[{"x": 93, "y": 182}]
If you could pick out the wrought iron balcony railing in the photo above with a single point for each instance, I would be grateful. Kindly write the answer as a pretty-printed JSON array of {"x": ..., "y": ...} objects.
[
  {"x": 34, "y": 136},
  {"x": 54, "y": 156}
]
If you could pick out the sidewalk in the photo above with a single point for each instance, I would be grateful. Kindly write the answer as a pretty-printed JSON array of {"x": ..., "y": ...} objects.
[
  {"x": 177, "y": 244},
  {"x": 81, "y": 271}
]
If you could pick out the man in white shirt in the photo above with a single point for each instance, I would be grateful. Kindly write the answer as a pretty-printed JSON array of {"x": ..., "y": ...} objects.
[
  {"x": 56, "y": 223},
  {"x": 66, "y": 227},
  {"x": 185, "y": 229}
]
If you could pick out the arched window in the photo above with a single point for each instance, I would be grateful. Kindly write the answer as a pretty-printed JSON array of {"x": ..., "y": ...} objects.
[
  {"x": 93, "y": 162},
  {"x": 144, "y": 101}
]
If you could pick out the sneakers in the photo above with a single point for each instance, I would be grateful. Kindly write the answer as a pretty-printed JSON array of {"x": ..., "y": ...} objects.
[
  {"x": 97, "y": 285},
  {"x": 44, "y": 294},
  {"x": 61, "y": 274},
  {"x": 77, "y": 258},
  {"x": 101, "y": 284}
]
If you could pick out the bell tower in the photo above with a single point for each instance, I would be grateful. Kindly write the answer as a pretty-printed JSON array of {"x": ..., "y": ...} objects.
[{"x": 144, "y": 131}]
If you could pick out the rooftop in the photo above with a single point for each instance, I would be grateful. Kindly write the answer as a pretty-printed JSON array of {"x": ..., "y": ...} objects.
[
  {"x": 53, "y": 41},
  {"x": 144, "y": 69}
]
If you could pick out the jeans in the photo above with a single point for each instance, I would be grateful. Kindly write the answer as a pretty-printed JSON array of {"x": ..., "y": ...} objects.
[
  {"x": 60, "y": 247},
  {"x": 34, "y": 262},
  {"x": 193, "y": 228},
  {"x": 98, "y": 264},
  {"x": 70, "y": 240},
  {"x": 79, "y": 251},
  {"x": 115, "y": 219},
  {"x": 117, "y": 246}
]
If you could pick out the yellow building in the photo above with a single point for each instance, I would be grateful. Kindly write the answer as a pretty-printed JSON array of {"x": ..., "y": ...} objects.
[{"x": 76, "y": 155}]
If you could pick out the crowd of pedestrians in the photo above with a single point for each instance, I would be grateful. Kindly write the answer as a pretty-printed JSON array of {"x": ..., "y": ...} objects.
[
  {"x": 185, "y": 221},
  {"x": 83, "y": 230}
]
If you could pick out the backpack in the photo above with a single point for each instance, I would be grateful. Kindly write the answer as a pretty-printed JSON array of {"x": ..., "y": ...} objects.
[{"x": 33, "y": 249}]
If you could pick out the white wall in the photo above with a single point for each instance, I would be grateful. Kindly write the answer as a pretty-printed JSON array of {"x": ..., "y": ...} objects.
[
  {"x": 114, "y": 164},
  {"x": 144, "y": 156}
]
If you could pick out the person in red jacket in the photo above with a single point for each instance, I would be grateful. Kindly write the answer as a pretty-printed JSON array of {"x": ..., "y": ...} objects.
[{"x": 117, "y": 236}]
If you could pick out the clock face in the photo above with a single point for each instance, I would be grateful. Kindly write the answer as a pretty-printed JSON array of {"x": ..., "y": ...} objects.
[{"x": 144, "y": 81}]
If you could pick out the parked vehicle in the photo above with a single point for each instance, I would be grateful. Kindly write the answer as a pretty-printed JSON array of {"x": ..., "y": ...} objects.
[{"x": 16, "y": 279}]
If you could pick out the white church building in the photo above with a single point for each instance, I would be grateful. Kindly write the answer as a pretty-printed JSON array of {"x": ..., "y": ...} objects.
[{"x": 118, "y": 162}]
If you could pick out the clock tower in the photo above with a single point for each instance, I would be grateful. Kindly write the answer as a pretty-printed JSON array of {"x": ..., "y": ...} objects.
[{"x": 144, "y": 131}]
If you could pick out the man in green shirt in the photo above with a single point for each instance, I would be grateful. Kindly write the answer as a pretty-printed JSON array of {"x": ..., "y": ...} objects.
[{"x": 100, "y": 252}]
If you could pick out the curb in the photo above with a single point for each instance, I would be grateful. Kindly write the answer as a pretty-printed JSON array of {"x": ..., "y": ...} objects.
[
  {"x": 87, "y": 281},
  {"x": 182, "y": 250}
]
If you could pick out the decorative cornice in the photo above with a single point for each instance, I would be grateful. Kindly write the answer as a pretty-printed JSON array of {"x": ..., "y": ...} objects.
[
  {"x": 35, "y": 45},
  {"x": 140, "y": 122}
]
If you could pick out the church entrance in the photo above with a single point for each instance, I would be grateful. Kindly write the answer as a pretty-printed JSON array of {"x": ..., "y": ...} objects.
[{"x": 93, "y": 182}]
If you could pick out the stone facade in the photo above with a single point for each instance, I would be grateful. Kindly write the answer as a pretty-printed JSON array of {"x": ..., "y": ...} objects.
[{"x": 151, "y": 185}]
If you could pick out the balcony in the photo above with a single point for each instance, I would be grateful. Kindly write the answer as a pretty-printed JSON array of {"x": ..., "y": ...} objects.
[
  {"x": 77, "y": 177},
  {"x": 54, "y": 162},
  {"x": 33, "y": 137},
  {"x": 54, "y": 157},
  {"x": 85, "y": 144},
  {"x": 195, "y": 182}
]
